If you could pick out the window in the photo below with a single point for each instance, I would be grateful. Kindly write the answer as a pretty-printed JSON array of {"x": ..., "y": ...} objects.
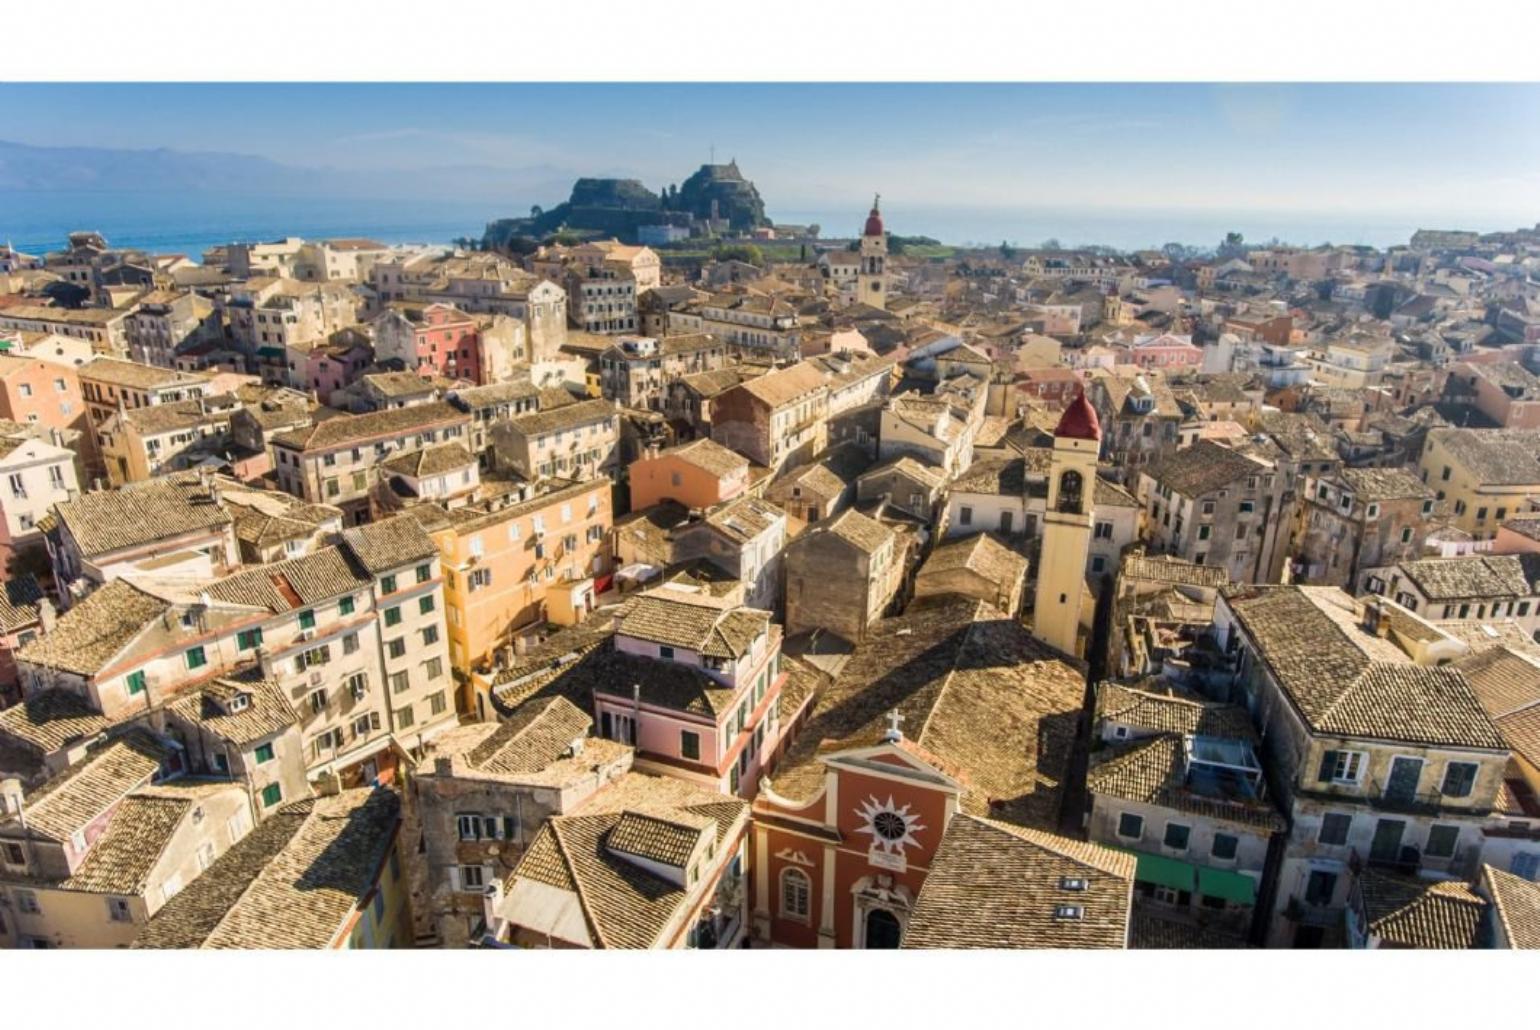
[
  {"x": 437, "y": 703},
  {"x": 393, "y": 616},
  {"x": 14, "y": 855},
  {"x": 135, "y": 682},
  {"x": 307, "y": 619},
  {"x": 1320, "y": 888},
  {"x": 429, "y": 636},
  {"x": 1225, "y": 845},
  {"x": 472, "y": 877},
  {"x": 350, "y": 643},
  {"x": 271, "y": 795},
  {"x": 388, "y": 584},
  {"x": 468, "y": 826},
  {"x": 425, "y": 604},
  {"x": 26, "y": 901},
  {"x": 358, "y": 685},
  {"x": 196, "y": 658},
  {"x": 434, "y": 668},
  {"x": 1441, "y": 841},
  {"x": 1130, "y": 826},
  {"x": 318, "y": 701},
  {"x": 118, "y": 910},
  {"x": 965, "y": 516},
  {"x": 345, "y": 606},
  {"x": 1104, "y": 531},
  {"x": 1177, "y": 836},
  {"x": 247, "y": 639},
  {"x": 399, "y": 681},
  {"x": 404, "y": 717},
  {"x": 689, "y": 744},
  {"x": 424, "y": 573},
  {"x": 796, "y": 894},
  {"x": 264, "y": 753},
  {"x": 1204, "y": 531},
  {"x": 1459, "y": 779},
  {"x": 664, "y": 651},
  {"x": 1334, "y": 828},
  {"x": 396, "y": 648},
  {"x": 1341, "y": 766}
]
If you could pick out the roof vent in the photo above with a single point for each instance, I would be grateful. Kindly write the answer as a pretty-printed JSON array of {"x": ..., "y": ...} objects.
[
  {"x": 1068, "y": 911},
  {"x": 1072, "y": 883}
]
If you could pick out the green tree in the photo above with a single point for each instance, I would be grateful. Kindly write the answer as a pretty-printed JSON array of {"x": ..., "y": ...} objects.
[
  {"x": 740, "y": 252},
  {"x": 1007, "y": 252},
  {"x": 1051, "y": 243}
]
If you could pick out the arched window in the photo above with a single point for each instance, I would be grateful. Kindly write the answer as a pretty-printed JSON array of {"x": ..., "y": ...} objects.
[
  {"x": 883, "y": 930},
  {"x": 1069, "y": 492},
  {"x": 796, "y": 890}
]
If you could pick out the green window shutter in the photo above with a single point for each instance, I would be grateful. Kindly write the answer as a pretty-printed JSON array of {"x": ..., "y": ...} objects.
[
  {"x": 136, "y": 682},
  {"x": 271, "y": 795},
  {"x": 264, "y": 753},
  {"x": 196, "y": 658},
  {"x": 345, "y": 606},
  {"x": 1328, "y": 766}
]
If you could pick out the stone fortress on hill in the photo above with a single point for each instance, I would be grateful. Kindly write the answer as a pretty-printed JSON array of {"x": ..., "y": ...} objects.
[{"x": 715, "y": 199}]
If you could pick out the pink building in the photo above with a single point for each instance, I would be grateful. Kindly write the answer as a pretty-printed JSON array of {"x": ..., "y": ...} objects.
[
  {"x": 432, "y": 339},
  {"x": 338, "y": 363},
  {"x": 1165, "y": 350}
]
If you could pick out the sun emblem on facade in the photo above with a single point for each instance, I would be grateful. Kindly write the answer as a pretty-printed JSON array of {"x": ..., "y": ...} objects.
[{"x": 892, "y": 828}]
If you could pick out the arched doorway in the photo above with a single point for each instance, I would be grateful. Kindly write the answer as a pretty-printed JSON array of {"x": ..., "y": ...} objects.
[{"x": 882, "y": 929}]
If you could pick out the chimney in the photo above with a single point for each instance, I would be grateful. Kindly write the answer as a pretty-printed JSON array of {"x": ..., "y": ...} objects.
[
  {"x": 47, "y": 615},
  {"x": 328, "y": 784},
  {"x": 10, "y": 796},
  {"x": 1376, "y": 618},
  {"x": 265, "y": 662}
]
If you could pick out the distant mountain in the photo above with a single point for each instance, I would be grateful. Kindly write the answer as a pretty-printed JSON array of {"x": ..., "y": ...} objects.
[
  {"x": 65, "y": 169},
  {"x": 25, "y": 167}
]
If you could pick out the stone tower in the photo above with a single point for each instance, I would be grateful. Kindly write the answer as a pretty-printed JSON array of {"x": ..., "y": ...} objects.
[
  {"x": 1067, "y": 523},
  {"x": 872, "y": 281}
]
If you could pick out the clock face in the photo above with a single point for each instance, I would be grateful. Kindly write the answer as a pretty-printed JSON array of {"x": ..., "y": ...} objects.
[{"x": 892, "y": 827}]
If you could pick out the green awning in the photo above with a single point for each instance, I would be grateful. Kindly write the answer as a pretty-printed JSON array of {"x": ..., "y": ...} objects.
[
  {"x": 1165, "y": 872},
  {"x": 1222, "y": 883},
  {"x": 271, "y": 352}
]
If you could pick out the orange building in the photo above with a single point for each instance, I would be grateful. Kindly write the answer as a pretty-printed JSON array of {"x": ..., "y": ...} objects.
[
  {"x": 43, "y": 393},
  {"x": 505, "y": 570},
  {"x": 699, "y": 474}
]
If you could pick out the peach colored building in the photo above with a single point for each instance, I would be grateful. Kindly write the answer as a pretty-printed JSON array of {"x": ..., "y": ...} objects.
[
  {"x": 43, "y": 393},
  {"x": 699, "y": 474}
]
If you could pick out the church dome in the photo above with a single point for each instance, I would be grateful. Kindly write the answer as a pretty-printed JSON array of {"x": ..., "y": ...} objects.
[
  {"x": 873, "y": 222},
  {"x": 1080, "y": 421}
]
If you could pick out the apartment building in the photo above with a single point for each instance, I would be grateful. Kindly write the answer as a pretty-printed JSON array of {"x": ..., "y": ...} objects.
[
  {"x": 106, "y": 329},
  {"x": 1359, "y": 518},
  {"x": 744, "y": 538},
  {"x": 778, "y": 418},
  {"x": 1480, "y": 476},
  {"x": 638, "y": 370},
  {"x": 842, "y": 575},
  {"x": 1377, "y": 760},
  {"x": 268, "y": 315},
  {"x": 339, "y": 460},
  {"x": 141, "y": 443},
  {"x": 108, "y": 384},
  {"x": 489, "y": 404},
  {"x": 1485, "y": 587},
  {"x": 45, "y": 395},
  {"x": 509, "y": 569},
  {"x": 1212, "y": 505},
  {"x": 479, "y": 284},
  {"x": 484, "y": 791},
  {"x": 430, "y": 339},
  {"x": 755, "y": 324},
  {"x": 698, "y": 474},
  {"x": 34, "y": 475},
  {"x": 576, "y": 441},
  {"x": 601, "y": 300},
  {"x": 164, "y": 322}
]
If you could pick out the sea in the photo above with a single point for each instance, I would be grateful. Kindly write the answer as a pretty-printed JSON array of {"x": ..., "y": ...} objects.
[{"x": 192, "y": 222}]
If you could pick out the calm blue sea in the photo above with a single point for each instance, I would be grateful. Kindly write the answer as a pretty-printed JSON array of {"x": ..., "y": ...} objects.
[{"x": 192, "y": 222}]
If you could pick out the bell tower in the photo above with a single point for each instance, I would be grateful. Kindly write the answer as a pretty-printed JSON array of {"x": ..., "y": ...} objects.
[
  {"x": 872, "y": 280},
  {"x": 1067, "y": 522}
]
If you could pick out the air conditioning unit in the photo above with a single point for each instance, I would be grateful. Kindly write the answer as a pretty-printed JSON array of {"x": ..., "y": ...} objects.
[
  {"x": 306, "y": 635},
  {"x": 316, "y": 678}
]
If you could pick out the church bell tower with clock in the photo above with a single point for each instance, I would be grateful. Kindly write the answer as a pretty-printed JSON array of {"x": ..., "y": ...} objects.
[
  {"x": 1067, "y": 524},
  {"x": 872, "y": 280}
]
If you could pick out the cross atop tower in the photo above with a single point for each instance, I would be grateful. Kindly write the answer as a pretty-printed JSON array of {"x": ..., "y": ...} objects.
[{"x": 893, "y": 734}]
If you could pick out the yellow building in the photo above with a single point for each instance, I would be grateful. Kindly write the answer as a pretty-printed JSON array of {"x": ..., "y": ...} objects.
[
  {"x": 532, "y": 561},
  {"x": 1481, "y": 476},
  {"x": 1067, "y": 522}
]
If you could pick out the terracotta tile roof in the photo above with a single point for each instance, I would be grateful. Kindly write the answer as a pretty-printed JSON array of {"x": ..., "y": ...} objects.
[
  {"x": 669, "y": 840},
  {"x": 786, "y": 386},
  {"x": 1349, "y": 682},
  {"x": 1166, "y": 569},
  {"x": 1202, "y": 468},
  {"x": 862, "y": 532},
  {"x": 266, "y": 712},
  {"x": 744, "y": 518},
  {"x": 391, "y": 422},
  {"x": 95, "y": 630},
  {"x": 1416, "y": 913},
  {"x": 1506, "y": 681},
  {"x": 137, "y": 376},
  {"x": 278, "y": 586},
  {"x": 1475, "y": 576},
  {"x": 80, "y": 793},
  {"x": 970, "y": 686},
  {"x": 995, "y": 885},
  {"x": 141, "y": 513},
  {"x": 120, "y": 860},
  {"x": 980, "y": 553},
  {"x": 624, "y": 905},
  {"x": 702, "y": 624},
  {"x": 1384, "y": 484},
  {"x": 1494, "y": 460},
  {"x": 1171, "y": 711},
  {"x": 433, "y": 460},
  {"x": 709, "y": 455},
  {"x": 19, "y": 602},
  {"x": 567, "y": 416},
  {"x": 1153, "y": 771},
  {"x": 540, "y": 733},
  {"x": 1157, "y": 931},
  {"x": 1516, "y": 905},
  {"x": 52, "y": 719},
  {"x": 389, "y": 544},
  {"x": 293, "y": 882}
]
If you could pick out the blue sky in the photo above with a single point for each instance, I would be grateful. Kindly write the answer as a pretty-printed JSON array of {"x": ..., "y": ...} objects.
[{"x": 1439, "y": 150}]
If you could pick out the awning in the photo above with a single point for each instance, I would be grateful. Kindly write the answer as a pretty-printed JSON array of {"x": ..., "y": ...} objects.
[
  {"x": 1165, "y": 872},
  {"x": 1231, "y": 886}
]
